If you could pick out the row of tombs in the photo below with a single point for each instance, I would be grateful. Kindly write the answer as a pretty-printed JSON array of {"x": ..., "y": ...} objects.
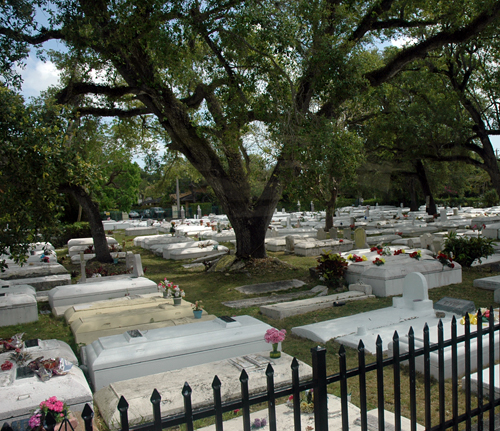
[{"x": 130, "y": 334}]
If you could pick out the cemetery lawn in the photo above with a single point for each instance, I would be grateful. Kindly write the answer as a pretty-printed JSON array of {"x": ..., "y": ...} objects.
[{"x": 213, "y": 288}]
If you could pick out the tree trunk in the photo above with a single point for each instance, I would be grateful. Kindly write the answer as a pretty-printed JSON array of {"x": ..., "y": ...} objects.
[
  {"x": 330, "y": 209},
  {"x": 426, "y": 188},
  {"x": 413, "y": 196},
  {"x": 91, "y": 208}
]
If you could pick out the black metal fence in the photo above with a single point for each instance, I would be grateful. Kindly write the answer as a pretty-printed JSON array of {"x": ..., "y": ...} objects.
[{"x": 449, "y": 413}]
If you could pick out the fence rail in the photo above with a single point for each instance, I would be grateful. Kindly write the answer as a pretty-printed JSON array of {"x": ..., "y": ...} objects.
[{"x": 320, "y": 382}]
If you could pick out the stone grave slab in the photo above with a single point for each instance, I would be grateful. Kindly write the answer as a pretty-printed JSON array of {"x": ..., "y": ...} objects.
[
  {"x": 207, "y": 244},
  {"x": 273, "y": 299},
  {"x": 488, "y": 283},
  {"x": 137, "y": 354},
  {"x": 276, "y": 244},
  {"x": 387, "y": 279},
  {"x": 141, "y": 230},
  {"x": 382, "y": 239},
  {"x": 17, "y": 288},
  {"x": 17, "y": 308},
  {"x": 116, "y": 305},
  {"x": 486, "y": 382},
  {"x": 90, "y": 328},
  {"x": 195, "y": 252},
  {"x": 47, "y": 349},
  {"x": 302, "y": 306},
  {"x": 273, "y": 286},
  {"x": 88, "y": 241},
  {"x": 62, "y": 297},
  {"x": 433, "y": 335},
  {"x": 23, "y": 396},
  {"x": 349, "y": 330},
  {"x": 459, "y": 307},
  {"x": 41, "y": 283},
  {"x": 284, "y": 418},
  {"x": 169, "y": 384},
  {"x": 31, "y": 270},
  {"x": 315, "y": 247}
]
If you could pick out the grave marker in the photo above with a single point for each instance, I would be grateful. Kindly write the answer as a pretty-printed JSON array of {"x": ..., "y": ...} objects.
[
  {"x": 138, "y": 271},
  {"x": 456, "y": 306},
  {"x": 321, "y": 234},
  {"x": 333, "y": 233},
  {"x": 360, "y": 238}
]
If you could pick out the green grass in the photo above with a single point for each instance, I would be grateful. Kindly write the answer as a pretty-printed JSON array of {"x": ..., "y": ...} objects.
[{"x": 214, "y": 288}]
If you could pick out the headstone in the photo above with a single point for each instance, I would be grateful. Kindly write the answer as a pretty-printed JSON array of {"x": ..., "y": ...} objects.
[
  {"x": 410, "y": 243},
  {"x": 288, "y": 223},
  {"x": 401, "y": 204},
  {"x": 138, "y": 271},
  {"x": 455, "y": 211},
  {"x": 400, "y": 212},
  {"x": 367, "y": 211},
  {"x": 282, "y": 210},
  {"x": 312, "y": 206},
  {"x": 333, "y": 233},
  {"x": 298, "y": 206},
  {"x": 321, "y": 234},
  {"x": 129, "y": 260},
  {"x": 289, "y": 244},
  {"x": 347, "y": 233},
  {"x": 360, "y": 238},
  {"x": 183, "y": 213},
  {"x": 426, "y": 240},
  {"x": 352, "y": 220},
  {"x": 456, "y": 306},
  {"x": 199, "y": 212},
  {"x": 415, "y": 293},
  {"x": 443, "y": 215},
  {"x": 83, "y": 273}
]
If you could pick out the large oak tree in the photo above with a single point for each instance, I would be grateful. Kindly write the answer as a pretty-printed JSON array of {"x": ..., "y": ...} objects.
[{"x": 207, "y": 70}]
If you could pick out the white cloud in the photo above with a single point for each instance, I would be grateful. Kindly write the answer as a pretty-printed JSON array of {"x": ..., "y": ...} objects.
[{"x": 38, "y": 76}]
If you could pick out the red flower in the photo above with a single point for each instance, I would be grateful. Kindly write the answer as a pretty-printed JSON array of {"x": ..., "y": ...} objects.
[
  {"x": 7, "y": 365},
  {"x": 341, "y": 240}
]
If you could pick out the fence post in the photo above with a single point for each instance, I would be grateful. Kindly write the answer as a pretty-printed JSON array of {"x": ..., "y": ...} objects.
[
  {"x": 296, "y": 394},
  {"x": 343, "y": 389},
  {"x": 188, "y": 407},
  {"x": 454, "y": 373},
  {"x": 320, "y": 390},
  {"x": 155, "y": 401},
  {"x": 271, "y": 402},
  {"x": 480, "y": 364},
  {"x": 397, "y": 382},
  {"x": 245, "y": 400},
  {"x": 123, "y": 409},
  {"x": 491, "y": 321},
  {"x": 362, "y": 386},
  {"x": 216, "y": 385},
  {"x": 87, "y": 416},
  {"x": 380, "y": 383}
]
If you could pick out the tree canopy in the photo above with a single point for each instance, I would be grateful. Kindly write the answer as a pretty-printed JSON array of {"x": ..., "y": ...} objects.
[{"x": 209, "y": 70}]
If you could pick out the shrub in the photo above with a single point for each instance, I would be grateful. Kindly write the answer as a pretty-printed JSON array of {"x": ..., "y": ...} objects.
[
  {"x": 75, "y": 230},
  {"x": 490, "y": 198},
  {"x": 331, "y": 268},
  {"x": 466, "y": 250}
]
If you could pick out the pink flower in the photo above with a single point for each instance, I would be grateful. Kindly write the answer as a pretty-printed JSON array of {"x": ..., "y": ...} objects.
[{"x": 274, "y": 336}]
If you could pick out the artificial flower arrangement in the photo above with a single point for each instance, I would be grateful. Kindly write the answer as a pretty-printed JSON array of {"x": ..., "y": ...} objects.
[
  {"x": 306, "y": 401},
  {"x": 197, "y": 306},
  {"x": 445, "y": 260},
  {"x": 259, "y": 423},
  {"x": 378, "y": 261},
  {"x": 356, "y": 258},
  {"x": 398, "y": 252},
  {"x": 170, "y": 289},
  {"x": 416, "y": 255},
  {"x": 57, "y": 408},
  {"x": 381, "y": 250},
  {"x": 274, "y": 336},
  {"x": 485, "y": 315}
]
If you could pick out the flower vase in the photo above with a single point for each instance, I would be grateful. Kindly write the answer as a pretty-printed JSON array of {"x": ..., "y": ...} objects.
[
  {"x": 197, "y": 314},
  {"x": 275, "y": 353},
  {"x": 177, "y": 301},
  {"x": 165, "y": 294}
]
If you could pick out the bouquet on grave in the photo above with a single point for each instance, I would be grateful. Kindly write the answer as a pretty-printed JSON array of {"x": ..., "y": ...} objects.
[
  {"x": 46, "y": 368},
  {"x": 445, "y": 260},
  {"x": 57, "y": 408},
  {"x": 356, "y": 258},
  {"x": 378, "y": 261},
  {"x": 416, "y": 255}
]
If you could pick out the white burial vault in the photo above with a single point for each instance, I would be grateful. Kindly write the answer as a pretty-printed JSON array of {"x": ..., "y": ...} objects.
[
  {"x": 136, "y": 353},
  {"x": 63, "y": 297}
]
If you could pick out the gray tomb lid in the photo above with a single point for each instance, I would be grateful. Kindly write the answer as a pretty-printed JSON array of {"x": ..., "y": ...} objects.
[{"x": 455, "y": 305}]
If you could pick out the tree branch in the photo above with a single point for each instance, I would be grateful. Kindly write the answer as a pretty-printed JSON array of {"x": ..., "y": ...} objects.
[
  {"x": 114, "y": 112},
  {"x": 484, "y": 19},
  {"x": 74, "y": 89},
  {"x": 43, "y": 36}
]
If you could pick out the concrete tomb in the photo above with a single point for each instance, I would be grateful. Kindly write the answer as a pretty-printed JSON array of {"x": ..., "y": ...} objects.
[
  {"x": 40, "y": 269},
  {"x": 40, "y": 283},
  {"x": 17, "y": 308},
  {"x": 489, "y": 283},
  {"x": 367, "y": 326},
  {"x": 387, "y": 279},
  {"x": 88, "y": 328},
  {"x": 5, "y": 287},
  {"x": 316, "y": 248},
  {"x": 137, "y": 354},
  {"x": 137, "y": 391},
  {"x": 474, "y": 381},
  {"x": 23, "y": 392},
  {"x": 62, "y": 297},
  {"x": 169, "y": 248},
  {"x": 85, "y": 242},
  {"x": 196, "y": 252}
]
